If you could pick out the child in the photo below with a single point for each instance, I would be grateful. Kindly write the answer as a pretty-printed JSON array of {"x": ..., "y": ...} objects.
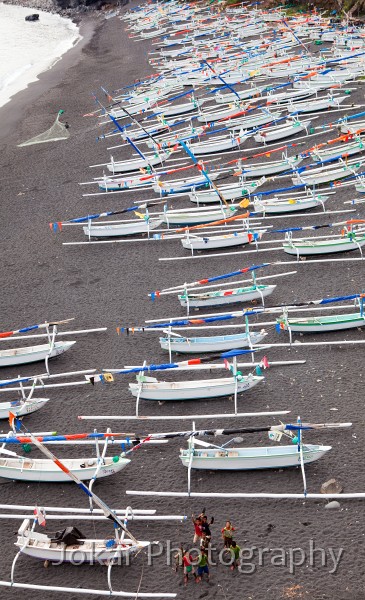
[
  {"x": 207, "y": 534},
  {"x": 203, "y": 565},
  {"x": 198, "y": 532},
  {"x": 235, "y": 551},
  {"x": 179, "y": 558},
  {"x": 188, "y": 567},
  {"x": 227, "y": 534}
]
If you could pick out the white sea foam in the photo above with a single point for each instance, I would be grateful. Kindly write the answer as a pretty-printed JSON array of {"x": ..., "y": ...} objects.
[{"x": 29, "y": 48}]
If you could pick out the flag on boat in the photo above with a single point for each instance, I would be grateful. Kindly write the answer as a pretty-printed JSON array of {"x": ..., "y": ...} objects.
[
  {"x": 40, "y": 515},
  {"x": 14, "y": 423}
]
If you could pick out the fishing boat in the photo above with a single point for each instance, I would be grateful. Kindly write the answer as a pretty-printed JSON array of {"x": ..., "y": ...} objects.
[
  {"x": 271, "y": 167},
  {"x": 316, "y": 105},
  {"x": 43, "y": 470},
  {"x": 209, "y": 242},
  {"x": 217, "y": 144},
  {"x": 149, "y": 388},
  {"x": 197, "y": 217},
  {"x": 248, "y": 459},
  {"x": 322, "y": 324},
  {"x": 181, "y": 185},
  {"x": 280, "y": 132},
  {"x": 325, "y": 175},
  {"x": 108, "y": 184},
  {"x": 80, "y": 550},
  {"x": 288, "y": 205},
  {"x": 243, "y": 95},
  {"x": 349, "y": 127},
  {"x": 30, "y": 354},
  {"x": 180, "y": 109},
  {"x": 221, "y": 297},
  {"x": 230, "y": 191},
  {"x": 216, "y": 115},
  {"x": 122, "y": 229},
  {"x": 333, "y": 78},
  {"x": 136, "y": 164},
  {"x": 351, "y": 241},
  {"x": 20, "y": 408},
  {"x": 344, "y": 150},
  {"x": 247, "y": 123},
  {"x": 183, "y": 345}
]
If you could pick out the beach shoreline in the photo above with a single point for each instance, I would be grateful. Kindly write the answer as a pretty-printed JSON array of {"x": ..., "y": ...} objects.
[{"x": 11, "y": 112}]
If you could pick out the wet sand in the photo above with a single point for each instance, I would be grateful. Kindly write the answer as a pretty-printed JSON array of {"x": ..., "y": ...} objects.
[{"x": 107, "y": 285}]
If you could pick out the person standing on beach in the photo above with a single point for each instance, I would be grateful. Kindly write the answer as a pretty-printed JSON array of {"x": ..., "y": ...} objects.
[
  {"x": 235, "y": 552},
  {"x": 198, "y": 531},
  {"x": 207, "y": 534},
  {"x": 203, "y": 566},
  {"x": 227, "y": 534},
  {"x": 188, "y": 567}
]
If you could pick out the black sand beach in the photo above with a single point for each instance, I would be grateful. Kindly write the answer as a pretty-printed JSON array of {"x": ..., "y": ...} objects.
[{"x": 107, "y": 285}]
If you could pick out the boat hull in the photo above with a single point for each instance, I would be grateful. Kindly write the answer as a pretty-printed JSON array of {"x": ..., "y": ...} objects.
[
  {"x": 325, "y": 247},
  {"x": 46, "y": 471},
  {"x": 20, "y": 408},
  {"x": 324, "y": 324},
  {"x": 92, "y": 551},
  {"x": 23, "y": 356},
  {"x": 237, "y": 459},
  {"x": 288, "y": 206},
  {"x": 229, "y": 297},
  {"x": 193, "y": 390},
  {"x": 101, "y": 231},
  {"x": 198, "y": 217},
  {"x": 219, "y": 343},
  {"x": 218, "y": 241}
]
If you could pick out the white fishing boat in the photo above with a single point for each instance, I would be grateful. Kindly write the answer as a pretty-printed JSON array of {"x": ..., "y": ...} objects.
[
  {"x": 122, "y": 229},
  {"x": 221, "y": 297},
  {"x": 322, "y": 324},
  {"x": 20, "y": 408},
  {"x": 109, "y": 184},
  {"x": 324, "y": 174},
  {"x": 182, "y": 185},
  {"x": 280, "y": 132},
  {"x": 230, "y": 191},
  {"x": 246, "y": 123},
  {"x": 344, "y": 150},
  {"x": 333, "y": 78},
  {"x": 216, "y": 343},
  {"x": 287, "y": 70},
  {"x": 352, "y": 127},
  {"x": 30, "y": 354},
  {"x": 288, "y": 205},
  {"x": 217, "y": 144},
  {"x": 216, "y": 115},
  {"x": 43, "y": 470},
  {"x": 93, "y": 551},
  {"x": 138, "y": 134},
  {"x": 196, "y": 216},
  {"x": 315, "y": 105},
  {"x": 133, "y": 109},
  {"x": 150, "y": 388},
  {"x": 179, "y": 109},
  {"x": 209, "y": 242},
  {"x": 328, "y": 246},
  {"x": 135, "y": 164},
  {"x": 271, "y": 167},
  {"x": 246, "y": 459},
  {"x": 285, "y": 97},
  {"x": 243, "y": 95}
]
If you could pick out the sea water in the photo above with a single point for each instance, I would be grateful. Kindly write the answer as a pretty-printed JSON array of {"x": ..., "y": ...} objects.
[{"x": 28, "y": 48}]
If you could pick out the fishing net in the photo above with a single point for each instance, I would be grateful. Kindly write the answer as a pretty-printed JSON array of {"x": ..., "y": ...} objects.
[{"x": 58, "y": 131}]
